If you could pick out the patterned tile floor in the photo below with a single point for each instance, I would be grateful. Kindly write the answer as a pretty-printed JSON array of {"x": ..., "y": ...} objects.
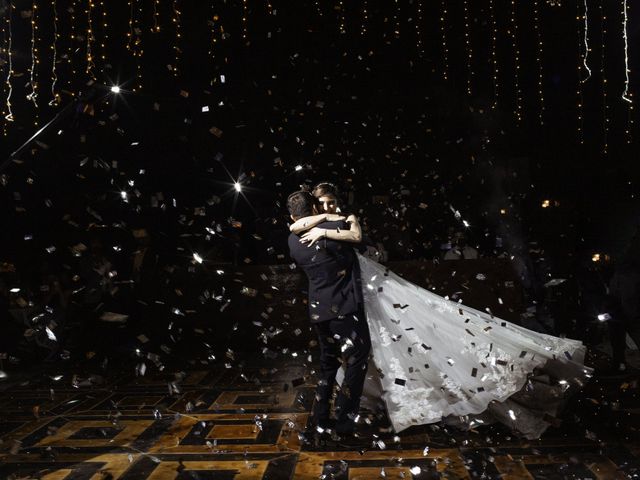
[{"x": 244, "y": 424}]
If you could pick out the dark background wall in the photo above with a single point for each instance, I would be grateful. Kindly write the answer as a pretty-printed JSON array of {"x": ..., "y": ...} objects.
[
  {"x": 415, "y": 155},
  {"x": 370, "y": 111}
]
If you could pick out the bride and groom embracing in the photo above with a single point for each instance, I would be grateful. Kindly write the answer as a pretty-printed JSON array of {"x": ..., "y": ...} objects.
[{"x": 435, "y": 359}]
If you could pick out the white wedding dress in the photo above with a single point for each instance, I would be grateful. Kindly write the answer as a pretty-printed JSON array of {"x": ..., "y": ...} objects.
[{"x": 436, "y": 359}]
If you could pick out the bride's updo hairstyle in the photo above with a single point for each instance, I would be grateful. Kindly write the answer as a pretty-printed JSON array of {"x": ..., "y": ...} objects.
[{"x": 325, "y": 188}]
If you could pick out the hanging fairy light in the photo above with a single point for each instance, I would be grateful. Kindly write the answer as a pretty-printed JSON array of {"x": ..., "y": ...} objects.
[
  {"x": 626, "y": 95},
  {"x": 104, "y": 37},
  {"x": 133, "y": 39},
  {"x": 396, "y": 20},
  {"x": 9, "y": 113},
  {"x": 130, "y": 32},
  {"x": 72, "y": 36},
  {"x": 605, "y": 103},
  {"x": 54, "y": 48},
  {"x": 3, "y": 52},
  {"x": 90, "y": 40},
  {"x": 585, "y": 53},
  {"x": 156, "y": 16},
  {"x": 365, "y": 18},
  {"x": 579, "y": 97},
  {"x": 419, "y": 27},
  {"x": 137, "y": 44},
  {"x": 494, "y": 54},
  {"x": 342, "y": 19},
  {"x": 177, "y": 25},
  {"x": 245, "y": 19},
  {"x": 467, "y": 44},
  {"x": 213, "y": 23},
  {"x": 318, "y": 8},
  {"x": 269, "y": 7},
  {"x": 443, "y": 34},
  {"x": 539, "y": 53},
  {"x": 516, "y": 57},
  {"x": 33, "y": 71}
]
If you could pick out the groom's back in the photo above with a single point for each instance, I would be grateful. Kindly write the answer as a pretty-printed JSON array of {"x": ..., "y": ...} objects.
[{"x": 333, "y": 272}]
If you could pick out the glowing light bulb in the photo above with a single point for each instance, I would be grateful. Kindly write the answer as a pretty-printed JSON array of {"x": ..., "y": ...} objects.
[
  {"x": 237, "y": 186},
  {"x": 115, "y": 89}
]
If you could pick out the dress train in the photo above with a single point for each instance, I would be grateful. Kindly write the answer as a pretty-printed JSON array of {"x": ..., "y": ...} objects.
[{"x": 436, "y": 359}]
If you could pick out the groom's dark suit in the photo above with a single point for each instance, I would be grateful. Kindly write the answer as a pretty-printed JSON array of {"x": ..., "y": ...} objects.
[{"x": 336, "y": 311}]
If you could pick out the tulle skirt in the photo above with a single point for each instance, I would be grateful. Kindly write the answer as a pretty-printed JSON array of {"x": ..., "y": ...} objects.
[{"x": 435, "y": 359}]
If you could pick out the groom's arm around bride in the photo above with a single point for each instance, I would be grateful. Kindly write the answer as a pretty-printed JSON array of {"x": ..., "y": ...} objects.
[{"x": 336, "y": 312}]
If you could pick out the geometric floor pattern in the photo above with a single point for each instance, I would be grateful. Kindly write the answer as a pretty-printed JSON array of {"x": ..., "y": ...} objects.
[{"x": 244, "y": 425}]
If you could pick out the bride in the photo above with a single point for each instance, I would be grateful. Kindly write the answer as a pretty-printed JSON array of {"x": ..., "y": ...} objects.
[{"x": 440, "y": 360}]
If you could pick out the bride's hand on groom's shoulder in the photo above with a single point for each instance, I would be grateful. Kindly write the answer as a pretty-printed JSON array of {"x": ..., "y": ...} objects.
[{"x": 313, "y": 235}]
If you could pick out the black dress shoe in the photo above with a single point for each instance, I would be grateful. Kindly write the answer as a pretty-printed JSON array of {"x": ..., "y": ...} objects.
[
  {"x": 317, "y": 428},
  {"x": 329, "y": 424}
]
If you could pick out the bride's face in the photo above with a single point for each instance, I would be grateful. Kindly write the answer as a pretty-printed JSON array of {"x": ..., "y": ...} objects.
[{"x": 328, "y": 203}]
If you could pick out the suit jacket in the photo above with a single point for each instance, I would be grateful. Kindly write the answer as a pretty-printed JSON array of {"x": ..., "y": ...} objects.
[{"x": 335, "y": 287}]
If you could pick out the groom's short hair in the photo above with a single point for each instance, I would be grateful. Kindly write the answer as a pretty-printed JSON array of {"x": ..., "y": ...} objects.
[{"x": 300, "y": 204}]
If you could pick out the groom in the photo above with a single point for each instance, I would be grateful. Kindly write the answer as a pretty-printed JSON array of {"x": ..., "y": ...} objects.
[{"x": 336, "y": 312}]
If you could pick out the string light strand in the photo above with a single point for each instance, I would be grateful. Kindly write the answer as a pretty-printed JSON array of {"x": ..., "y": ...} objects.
[
  {"x": 55, "y": 100},
  {"x": 625, "y": 94},
  {"x": 9, "y": 115},
  {"x": 539, "y": 55},
  {"x": 137, "y": 44},
  {"x": 245, "y": 19},
  {"x": 104, "y": 37},
  {"x": 418, "y": 28},
  {"x": 443, "y": 34},
  {"x": 72, "y": 40},
  {"x": 130, "y": 32},
  {"x": 33, "y": 71},
  {"x": 90, "y": 40},
  {"x": 605, "y": 103},
  {"x": 467, "y": 43},
  {"x": 156, "y": 17},
  {"x": 579, "y": 97},
  {"x": 585, "y": 55},
  {"x": 213, "y": 25},
  {"x": 178, "y": 28},
  {"x": 494, "y": 55},
  {"x": 516, "y": 53},
  {"x": 396, "y": 20},
  {"x": 342, "y": 20},
  {"x": 365, "y": 18}
]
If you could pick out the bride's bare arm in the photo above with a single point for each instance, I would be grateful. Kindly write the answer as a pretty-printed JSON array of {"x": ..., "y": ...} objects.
[
  {"x": 353, "y": 234},
  {"x": 354, "y": 228},
  {"x": 306, "y": 223}
]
